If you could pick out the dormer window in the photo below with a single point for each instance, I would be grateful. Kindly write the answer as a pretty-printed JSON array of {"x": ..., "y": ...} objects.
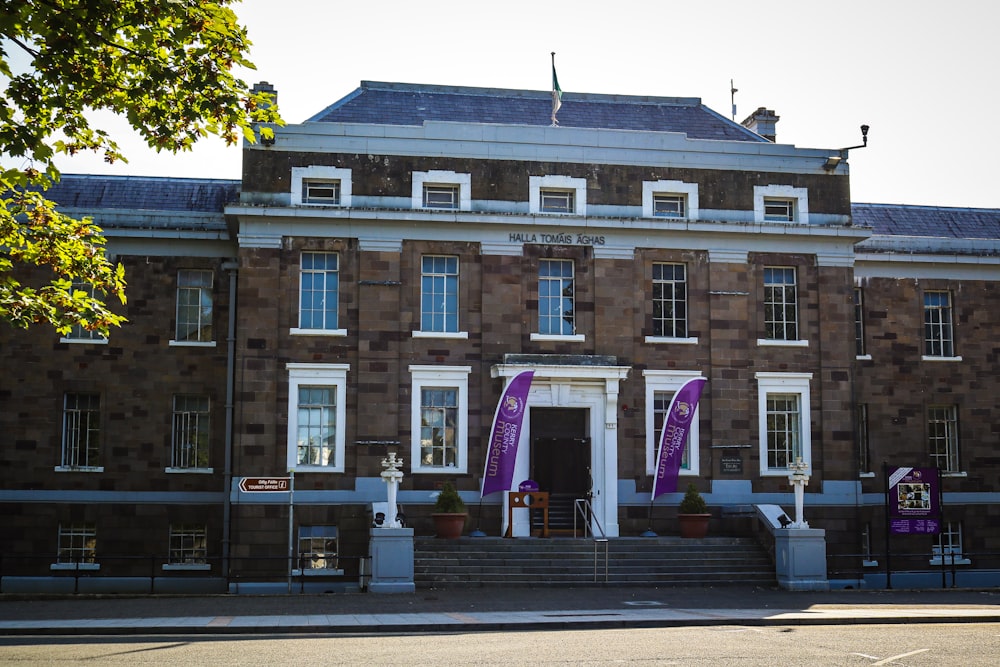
[
  {"x": 556, "y": 201},
  {"x": 561, "y": 195},
  {"x": 669, "y": 206},
  {"x": 320, "y": 186},
  {"x": 321, "y": 192},
  {"x": 780, "y": 203},
  {"x": 670, "y": 199},
  {"x": 779, "y": 210},
  {"x": 440, "y": 189},
  {"x": 437, "y": 195}
]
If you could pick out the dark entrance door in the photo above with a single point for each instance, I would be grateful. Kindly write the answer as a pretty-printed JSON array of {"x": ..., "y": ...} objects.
[{"x": 560, "y": 460}]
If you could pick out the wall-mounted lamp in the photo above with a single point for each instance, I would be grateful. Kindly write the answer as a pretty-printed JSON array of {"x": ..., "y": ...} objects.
[{"x": 832, "y": 162}]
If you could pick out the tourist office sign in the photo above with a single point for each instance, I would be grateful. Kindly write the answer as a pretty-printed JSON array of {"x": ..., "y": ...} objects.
[
  {"x": 265, "y": 484},
  {"x": 914, "y": 501}
]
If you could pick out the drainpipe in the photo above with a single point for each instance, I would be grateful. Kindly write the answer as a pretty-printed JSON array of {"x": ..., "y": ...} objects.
[{"x": 232, "y": 267}]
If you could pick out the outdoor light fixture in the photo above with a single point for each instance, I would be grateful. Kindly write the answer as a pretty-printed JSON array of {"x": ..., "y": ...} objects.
[{"x": 834, "y": 161}]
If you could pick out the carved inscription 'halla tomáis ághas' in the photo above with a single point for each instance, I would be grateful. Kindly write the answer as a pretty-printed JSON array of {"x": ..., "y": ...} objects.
[{"x": 563, "y": 238}]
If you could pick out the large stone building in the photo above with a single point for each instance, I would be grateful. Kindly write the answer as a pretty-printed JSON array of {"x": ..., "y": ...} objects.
[{"x": 384, "y": 268}]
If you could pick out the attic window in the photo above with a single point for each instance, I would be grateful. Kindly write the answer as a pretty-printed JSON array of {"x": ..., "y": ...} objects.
[
  {"x": 556, "y": 201},
  {"x": 320, "y": 185},
  {"x": 557, "y": 194},
  {"x": 441, "y": 189},
  {"x": 780, "y": 203},
  {"x": 669, "y": 206},
  {"x": 320, "y": 192},
  {"x": 440, "y": 196},
  {"x": 779, "y": 210}
]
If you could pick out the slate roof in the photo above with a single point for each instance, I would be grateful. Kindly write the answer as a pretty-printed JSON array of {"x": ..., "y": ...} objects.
[
  {"x": 147, "y": 193},
  {"x": 411, "y": 104},
  {"x": 932, "y": 221}
]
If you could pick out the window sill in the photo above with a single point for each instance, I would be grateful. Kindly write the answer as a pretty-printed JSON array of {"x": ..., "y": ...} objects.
[
  {"x": 782, "y": 472},
  {"x": 769, "y": 342},
  {"x": 295, "y": 331},
  {"x": 190, "y": 343},
  {"x": 84, "y": 341},
  {"x": 311, "y": 204},
  {"x": 439, "y": 470},
  {"x": 194, "y": 471},
  {"x": 574, "y": 338},
  {"x": 958, "y": 560},
  {"x": 456, "y": 335},
  {"x": 954, "y": 474},
  {"x": 300, "y": 467},
  {"x": 863, "y": 357},
  {"x": 866, "y": 475},
  {"x": 933, "y": 358},
  {"x": 318, "y": 572},
  {"x": 89, "y": 567},
  {"x": 189, "y": 567},
  {"x": 79, "y": 468},
  {"x": 660, "y": 340},
  {"x": 869, "y": 563}
]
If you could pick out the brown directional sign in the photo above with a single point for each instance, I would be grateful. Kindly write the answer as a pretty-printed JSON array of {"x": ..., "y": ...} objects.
[{"x": 264, "y": 484}]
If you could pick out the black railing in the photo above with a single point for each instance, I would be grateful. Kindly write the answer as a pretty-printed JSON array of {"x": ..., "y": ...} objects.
[{"x": 155, "y": 574}]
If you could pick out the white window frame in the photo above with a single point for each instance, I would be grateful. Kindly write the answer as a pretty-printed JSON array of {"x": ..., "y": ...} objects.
[
  {"x": 177, "y": 342},
  {"x": 686, "y": 340},
  {"x": 317, "y": 375},
  {"x": 944, "y": 327},
  {"x": 433, "y": 333},
  {"x": 441, "y": 177},
  {"x": 323, "y": 532},
  {"x": 670, "y": 381},
  {"x": 798, "y": 196},
  {"x": 184, "y": 416},
  {"x": 538, "y": 183},
  {"x": 949, "y": 545},
  {"x": 456, "y": 377},
  {"x": 299, "y": 330},
  {"x": 77, "y": 334},
  {"x": 183, "y": 558},
  {"x": 71, "y": 434},
  {"x": 784, "y": 383},
  {"x": 860, "y": 328},
  {"x": 951, "y": 456},
  {"x": 86, "y": 531},
  {"x": 320, "y": 173},
  {"x": 782, "y": 342},
  {"x": 687, "y": 190},
  {"x": 538, "y": 335}
]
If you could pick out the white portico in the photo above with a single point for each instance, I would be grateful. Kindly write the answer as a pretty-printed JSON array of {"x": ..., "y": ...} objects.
[{"x": 586, "y": 383}]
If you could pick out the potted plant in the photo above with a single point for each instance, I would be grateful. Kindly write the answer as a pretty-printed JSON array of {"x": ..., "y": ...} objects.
[
  {"x": 693, "y": 514},
  {"x": 449, "y": 513}
]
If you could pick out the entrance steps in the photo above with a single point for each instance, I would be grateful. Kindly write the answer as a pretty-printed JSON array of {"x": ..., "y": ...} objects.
[{"x": 557, "y": 561}]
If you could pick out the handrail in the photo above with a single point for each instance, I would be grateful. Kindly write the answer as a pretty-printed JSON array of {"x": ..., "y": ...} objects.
[{"x": 582, "y": 508}]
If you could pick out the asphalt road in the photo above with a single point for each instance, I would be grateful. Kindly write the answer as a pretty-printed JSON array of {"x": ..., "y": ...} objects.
[{"x": 967, "y": 644}]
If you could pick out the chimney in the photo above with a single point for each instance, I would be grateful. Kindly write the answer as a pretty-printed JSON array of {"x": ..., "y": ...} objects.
[
  {"x": 265, "y": 87},
  {"x": 762, "y": 121}
]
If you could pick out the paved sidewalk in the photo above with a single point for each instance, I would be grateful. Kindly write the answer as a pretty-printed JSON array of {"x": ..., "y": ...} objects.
[{"x": 482, "y": 609}]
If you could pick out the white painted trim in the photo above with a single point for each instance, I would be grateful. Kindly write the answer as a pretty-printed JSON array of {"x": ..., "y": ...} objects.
[
  {"x": 84, "y": 341},
  {"x": 774, "y": 342},
  {"x": 295, "y": 331},
  {"x": 189, "y": 471},
  {"x": 456, "y": 335},
  {"x": 190, "y": 343},
  {"x": 670, "y": 381},
  {"x": 800, "y": 195},
  {"x": 689, "y": 190},
  {"x": 456, "y": 377},
  {"x": 90, "y": 567},
  {"x": 538, "y": 183},
  {"x": 79, "y": 468},
  {"x": 441, "y": 177},
  {"x": 661, "y": 340},
  {"x": 572, "y": 338},
  {"x": 324, "y": 375},
  {"x": 191, "y": 567},
  {"x": 784, "y": 383},
  {"x": 300, "y": 174},
  {"x": 945, "y": 359}
]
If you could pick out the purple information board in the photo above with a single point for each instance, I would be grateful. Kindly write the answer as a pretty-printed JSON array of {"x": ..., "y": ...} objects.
[{"x": 914, "y": 501}]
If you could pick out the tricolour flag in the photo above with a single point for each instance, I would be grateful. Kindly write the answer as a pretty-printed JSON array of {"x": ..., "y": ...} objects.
[
  {"x": 556, "y": 92},
  {"x": 676, "y": 428},
  {"x": 506, "y": 431}
]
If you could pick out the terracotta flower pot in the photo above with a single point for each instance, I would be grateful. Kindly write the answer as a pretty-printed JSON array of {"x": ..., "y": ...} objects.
[
  {"x": 449, "y": 526},
  {"x": 693, "y": 525}
]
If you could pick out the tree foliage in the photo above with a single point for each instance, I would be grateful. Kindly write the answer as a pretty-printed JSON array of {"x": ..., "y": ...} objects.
[{"x": 165, "y": 65}]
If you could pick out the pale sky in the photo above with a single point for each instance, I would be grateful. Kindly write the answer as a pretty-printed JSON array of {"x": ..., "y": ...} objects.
[{"x": 922, "y": 74}]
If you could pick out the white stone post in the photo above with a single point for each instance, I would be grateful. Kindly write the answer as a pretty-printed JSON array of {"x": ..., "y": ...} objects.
[
  {"x": 392, "y": 476},
  {"x": 799, "y": 480}
]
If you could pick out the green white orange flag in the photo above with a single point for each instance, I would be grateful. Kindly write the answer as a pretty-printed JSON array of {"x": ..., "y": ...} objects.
[{"x": 556, "y": 91}]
